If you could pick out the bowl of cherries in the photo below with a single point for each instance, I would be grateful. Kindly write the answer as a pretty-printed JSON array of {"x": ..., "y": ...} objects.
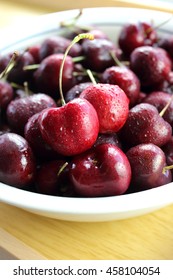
[{"x": 86, "y": 114}]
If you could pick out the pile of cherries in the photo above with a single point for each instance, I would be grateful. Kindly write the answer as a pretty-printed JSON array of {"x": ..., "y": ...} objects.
[{"x": 83, "y": 116}]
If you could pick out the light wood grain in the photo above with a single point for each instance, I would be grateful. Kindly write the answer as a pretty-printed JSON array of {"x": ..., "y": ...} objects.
[
  {"x": 13, "y": 248},
  {"x": 143, "y": 238}
]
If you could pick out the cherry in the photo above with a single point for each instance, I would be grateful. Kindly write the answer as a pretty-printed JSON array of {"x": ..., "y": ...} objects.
[
  {"x": 34, "y": 51},
  {"x": 151, "y": 65},
  {"x": 102, "y": 171},
  {"x": 111, "y": 138},
  {"x": 111, "y": 104},
  {"x": 18, "y": 74},
  {"x": 145, "y": 125},
  {"x": 70, "y": 129},
  {"x": 76, "y": 90},
  {"x": 58, "y": 44},
  {"x": 17, "y": 163},
  {"x": 160, "y": 99},
  {"x": 6, "y": 94},
  {"x": 46, "y": 76},
  {"x": 134, "y": 35},
  {"x": 166, "y": 43},
  {"x": 168, "y": 151},
  {"x": 53, "y": 178},
  {"x": 34, "y": 137},
  {"x": 125, "y": 79},
  {"x": 147, "y": 164},
  {"x": 20, "y": 110},
  {"x": 97, "y": 54}
]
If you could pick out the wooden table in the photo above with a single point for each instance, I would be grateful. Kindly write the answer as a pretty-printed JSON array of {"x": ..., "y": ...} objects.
[{"x": 146, "y": 237}]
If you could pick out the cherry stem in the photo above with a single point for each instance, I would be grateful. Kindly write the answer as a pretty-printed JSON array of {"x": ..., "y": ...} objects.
[
  {"x": 159, "y": 25},
  {"x": 10, "y": 65},
  {"x": 24, "y": 87},
  {"x": 116, "y": 59},
  {"x": 166, "y": 107},
  {"x": 91, "y": 76},
  {"x": 72, "y": 21},
  {"x": 169, "y": 167},
  {"x": 31, "y": 67},
  {"x": 75, "y": 40},
  {"x": 62, "y": 168}
]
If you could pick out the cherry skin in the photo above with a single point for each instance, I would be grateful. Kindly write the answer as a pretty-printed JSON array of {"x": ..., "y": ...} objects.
[
  {"x": 6, "y": 94},
  {"x": 76, "y": 90},
  {"x": 17, "y": 74},
  {"x": 111, "y": 138},
  {"x": 166, "y": 43},
  {"x": 160, "y": 99},
  {"x": 97, "y": 54},
  {"x": 34, "y": 51},
  {"x": 125, "y": 79},
  {"x": 52, "y": 178},
  {"x": 111, "y": 104},
  {"x": 147, "y": 162},
  {"x": 134, "y": 35},
  {"x": 17, "y": 163},
  {"x": 20, "y": 110},
  {"x": 151, "y": 65},
  {"x": 34, "y": 137},
  {"x": 58, "y": 44},
  {"x": 102, "y": 171},
  {"x": 145, "y": 125},
  {"x": 168, "y": 151},
  {"x": 46, "y": 76},
  {"x": 70, "y": 129}
]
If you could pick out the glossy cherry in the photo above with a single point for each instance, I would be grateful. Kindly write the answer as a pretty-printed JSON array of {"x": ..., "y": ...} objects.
[
  {"x": 151, "y": 65},
  {"x": 102, "y": 171},
  {"x": 111, "y": 104},
  {"x": 145, "y": 125},
  {"x": 147, "y": 163},
  {"x": 17, "y": 163},
  {"x": 125, "y": 79}
]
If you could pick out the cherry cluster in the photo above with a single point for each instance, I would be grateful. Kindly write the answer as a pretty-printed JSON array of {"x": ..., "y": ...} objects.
[{"x": 88, "y": 117}]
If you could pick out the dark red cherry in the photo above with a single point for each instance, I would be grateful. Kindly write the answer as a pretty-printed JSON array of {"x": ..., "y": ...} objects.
[
  {"x": 166, "y": 42},
  {"x": 134, "y": 35},
  {"x": 160, "y": 99},
  {"x": 17, "y": 74},
  {"x": 151, "y": 65},
  {"x": 34, "y": 137},
  {"x": 52, "y": 178},
  {"x": 147, "y": 163},
  {"x": 17, "y": 163},
  {"x": 58, "y": 44},
  {"x": 125, "y": 79},
  {"x": 110, "y": 138},
  {"x": 46, "y": 77},
  {"x": 76, "y": 90},
  {"x": 20, "y": 110},
  {"x": 145, "y": 125},
  {"x": 97, "y": 54},
  {"x": 168, "y": 151},
  {"x": 102, "y": 171},
  {"x": 6, "y": 94}
]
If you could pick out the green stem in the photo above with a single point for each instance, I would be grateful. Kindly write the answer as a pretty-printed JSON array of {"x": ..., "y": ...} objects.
[
  {"x": 10, "y": 65},
  {"x": 75, "y": 40}
]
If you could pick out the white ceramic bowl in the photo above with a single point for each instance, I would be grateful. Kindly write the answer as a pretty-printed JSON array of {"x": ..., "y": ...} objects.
[{"x": 84, "y": 209}]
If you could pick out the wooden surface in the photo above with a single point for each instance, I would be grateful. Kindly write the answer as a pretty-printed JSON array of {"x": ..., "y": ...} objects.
[{"x": 146, "y": 237}]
